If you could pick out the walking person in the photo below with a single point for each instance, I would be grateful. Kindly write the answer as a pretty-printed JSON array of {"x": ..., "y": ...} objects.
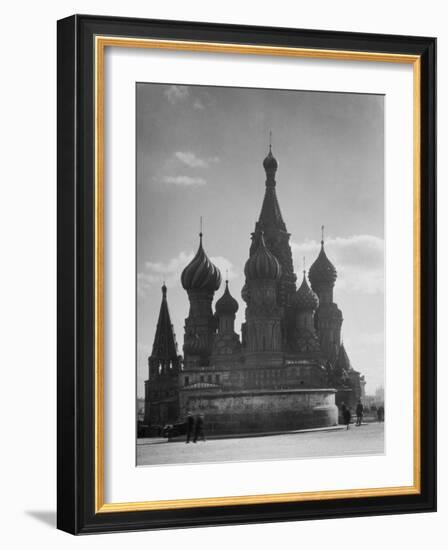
[
  {"x": 380, "y": 413},
  {"x": 190, "y": 426},
  {"x": 199, "y": 428},
  {"x": 359, "y": 413}
]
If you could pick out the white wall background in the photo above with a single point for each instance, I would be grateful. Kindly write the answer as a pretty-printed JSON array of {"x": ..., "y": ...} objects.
[{"x": 28, "y": 271}]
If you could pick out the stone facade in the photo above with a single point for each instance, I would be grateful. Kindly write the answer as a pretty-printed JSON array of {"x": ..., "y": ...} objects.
[
  {"x": 265, "y": 410},
  {"x": 288, "y": 370}
]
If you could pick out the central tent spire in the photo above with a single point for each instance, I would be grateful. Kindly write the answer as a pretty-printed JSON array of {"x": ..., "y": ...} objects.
[{"x": 276, "y": 236}]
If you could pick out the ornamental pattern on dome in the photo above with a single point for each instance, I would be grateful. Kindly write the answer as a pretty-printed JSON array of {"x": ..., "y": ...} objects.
[
  {"x": 226, "y": 305},
  {"x": 262, "y": 264},
  {"x": 305, "y": 298},
  {"x": 201, "y": 273},
  {"x": 322, "y": 272}
]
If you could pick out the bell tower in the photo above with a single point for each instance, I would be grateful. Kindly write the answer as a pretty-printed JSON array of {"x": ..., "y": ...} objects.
[
  {"x": 201, "y": 278},
  {"x": 322, "y": 276},
  {"x": 161, "y": 398},
  {"x": 263, "y": 314},
  {"x": 276, "y": 235}
]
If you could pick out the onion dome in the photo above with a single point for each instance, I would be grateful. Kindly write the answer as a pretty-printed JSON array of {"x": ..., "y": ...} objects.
[
  {"x": 305, "y": 298},
  {"x": 226, "y": 305},
  {"x": 201, "y": 273},
  {"x": 322, "y": 272},
  {"x": 270, "y": 165},
  {"x": 262, "y": 264}
]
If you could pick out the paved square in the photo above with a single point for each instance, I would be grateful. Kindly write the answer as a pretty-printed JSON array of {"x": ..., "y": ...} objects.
[{"x": 367, "y": 439}]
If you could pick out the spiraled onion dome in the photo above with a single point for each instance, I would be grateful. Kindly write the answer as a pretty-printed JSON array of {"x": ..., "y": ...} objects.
[
  {"x": 270, "y": 164},
  {"x": 322, "y": 272},
  {"x": 262, "y": 264},
  {"x": 201, "y": 273},
  {"x": 305, "y": 298},
  {"x": 226, "y": 305}
]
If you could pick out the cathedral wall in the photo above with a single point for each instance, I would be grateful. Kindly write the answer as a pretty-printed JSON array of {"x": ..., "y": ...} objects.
[{"x": 265, "y": 411}]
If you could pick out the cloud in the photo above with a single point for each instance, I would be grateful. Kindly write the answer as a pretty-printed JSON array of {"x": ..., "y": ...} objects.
[
  {"x": 184, "y": 181},
  {"x": 175, "y": 93},
  {"x": 225, "y": 266},
  {"x": 190, "y": 159},
  {"x": 155, "y": 273},
  {"x": 359, "y": 261},
  {"x": 193, "y": 161}
]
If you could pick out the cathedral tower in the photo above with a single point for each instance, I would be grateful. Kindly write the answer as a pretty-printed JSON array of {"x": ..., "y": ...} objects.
[
  {"x": 227, "y": 342},
  {"x": 263, "y": 314},
  {"x": 275, "y": 234},
  {"x": 201, "y": 278},
  {"x": 306, "y": 303},
  {"x": 322, "y": 276},
  {"x": 161, "y": 403}
]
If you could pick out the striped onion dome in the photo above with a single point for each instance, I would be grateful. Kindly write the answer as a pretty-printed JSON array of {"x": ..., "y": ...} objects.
[
  {"x": 201, "y": 273},
  {"x": 262, "y": 264},
  {"x": 305, "y": 298}
]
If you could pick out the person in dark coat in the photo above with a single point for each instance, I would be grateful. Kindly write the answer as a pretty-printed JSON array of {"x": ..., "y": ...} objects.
[
  {"x": 359, "y": 413},
  {"x": 346, "y": 415},
  {"x": 199, "y": 428},
  {"x": 380, "y": 413},
  {"x": 190, "y": 426}
]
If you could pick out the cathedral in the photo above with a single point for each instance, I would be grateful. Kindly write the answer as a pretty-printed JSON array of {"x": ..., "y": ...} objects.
[{"x": 287, "y": 370}]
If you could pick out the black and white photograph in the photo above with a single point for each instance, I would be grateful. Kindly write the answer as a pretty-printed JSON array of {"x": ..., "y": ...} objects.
[{"x": 260, "y": 274}]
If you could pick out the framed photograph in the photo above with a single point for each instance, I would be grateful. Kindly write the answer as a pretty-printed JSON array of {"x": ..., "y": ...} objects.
[{"x": 246, "y": 274}]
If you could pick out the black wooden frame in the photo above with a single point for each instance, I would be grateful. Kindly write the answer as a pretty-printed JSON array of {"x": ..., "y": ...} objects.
[{"x": 75, "y": 475}]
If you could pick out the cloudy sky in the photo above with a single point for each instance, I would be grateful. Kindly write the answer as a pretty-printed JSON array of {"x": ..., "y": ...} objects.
[{"x": 200, "y": 152}]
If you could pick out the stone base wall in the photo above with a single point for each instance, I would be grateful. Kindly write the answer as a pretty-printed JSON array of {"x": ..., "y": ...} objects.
[{"x": 265, "y": 410}]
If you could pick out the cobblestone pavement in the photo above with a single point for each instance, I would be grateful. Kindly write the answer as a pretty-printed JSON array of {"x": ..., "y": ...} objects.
[{"x": 367, "y": 439}]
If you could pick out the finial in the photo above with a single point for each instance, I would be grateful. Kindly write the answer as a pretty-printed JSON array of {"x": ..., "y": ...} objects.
[
  {"x": 227, "y": 277},
  {"x": 164, "y": 289},
  {"x": 322, "y": 234},
  {"x": 304, "y": 269},
  {"x": 200, "y": 229},
  {"x": 270, "y": 141}
]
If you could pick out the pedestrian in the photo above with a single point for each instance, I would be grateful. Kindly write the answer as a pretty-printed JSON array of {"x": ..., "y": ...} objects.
[
  {"x": 190, "y": 426},
  {"x": 199, "y": 428},
  {"x": 346, "y": 415},
  {"x": 359, "y": 412},
  {"x": 380, "y": 413}
]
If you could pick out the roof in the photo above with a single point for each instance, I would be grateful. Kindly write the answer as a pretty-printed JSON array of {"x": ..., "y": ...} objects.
[
  {"x": 201, "y": 273},
  {"x": 305, "y": 298},
  {"x": 270, "y": 215},
  {"x": 165, "y": 345},
  {"x": 322, "y": 271},
  {"x": 262, "y": 264},
  {"x": 227, "y": 303}
]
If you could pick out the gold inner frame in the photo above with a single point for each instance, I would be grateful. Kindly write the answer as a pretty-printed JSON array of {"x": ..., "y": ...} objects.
[{"x": 101, "y": 42}]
